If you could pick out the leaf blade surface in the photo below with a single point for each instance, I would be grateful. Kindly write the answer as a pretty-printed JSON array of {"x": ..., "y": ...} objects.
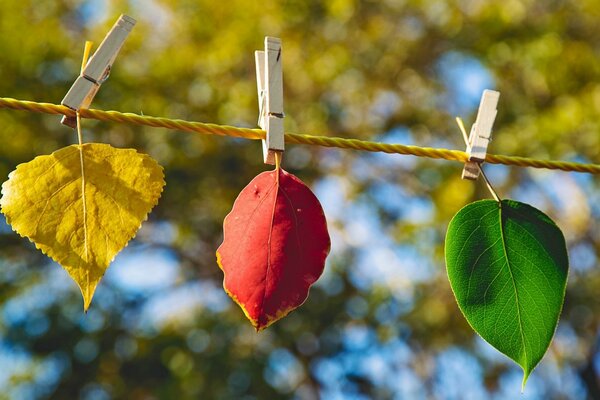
[
  {"x": 82, "y": 218},
  {"x": 507, "y": 264},
  {"x": 274, "y": 247}
]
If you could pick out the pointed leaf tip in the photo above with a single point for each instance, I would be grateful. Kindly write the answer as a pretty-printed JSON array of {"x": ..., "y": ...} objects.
[
  {"x": 508, "y": 268},
  {"x": 274, "y": 247},
  {"x": 82, "y": 216}
]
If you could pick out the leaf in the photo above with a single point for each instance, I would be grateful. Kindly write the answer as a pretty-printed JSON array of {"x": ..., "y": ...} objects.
[
  {"x": 274, "y": 247},
  {"x": 507, "y": 264},
  {"x": 82, "y": 207}
]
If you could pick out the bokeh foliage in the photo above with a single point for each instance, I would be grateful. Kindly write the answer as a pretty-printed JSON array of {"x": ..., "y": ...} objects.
[{"x": 382, "y": 323}]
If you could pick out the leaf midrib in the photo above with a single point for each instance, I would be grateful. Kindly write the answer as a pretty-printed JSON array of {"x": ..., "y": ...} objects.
[
  {"x": 268, "y": 271},
  {"x": 85, "y": 230},
  {"x": 504, "y": 249},
  {"x": 246, "y": 237}
]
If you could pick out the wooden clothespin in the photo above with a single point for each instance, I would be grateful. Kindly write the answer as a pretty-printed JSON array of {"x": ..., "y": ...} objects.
[
  {"x": 269, "y": 82},
  {"x": 481, "y": 132},
  {"x": 81, "y": 94}
]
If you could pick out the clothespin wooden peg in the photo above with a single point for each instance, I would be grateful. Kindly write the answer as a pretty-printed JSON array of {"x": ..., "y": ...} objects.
[
  {"x": 481, "y": 132},
  {"x": 269, "y": 83},
  {"x": 81, "y": 94}
]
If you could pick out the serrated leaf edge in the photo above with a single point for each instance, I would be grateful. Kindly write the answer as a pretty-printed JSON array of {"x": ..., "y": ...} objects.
[{"x": 8, "y": 221}]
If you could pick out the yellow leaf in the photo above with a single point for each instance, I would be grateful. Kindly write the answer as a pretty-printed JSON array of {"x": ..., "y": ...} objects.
[{"x": 81, "y": 205}]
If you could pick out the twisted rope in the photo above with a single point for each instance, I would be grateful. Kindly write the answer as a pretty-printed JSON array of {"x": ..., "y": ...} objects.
[{"x": 324, "y": 141}]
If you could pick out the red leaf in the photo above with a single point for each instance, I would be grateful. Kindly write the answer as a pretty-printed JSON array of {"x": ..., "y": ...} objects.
[{"x": 274, "y": 247}]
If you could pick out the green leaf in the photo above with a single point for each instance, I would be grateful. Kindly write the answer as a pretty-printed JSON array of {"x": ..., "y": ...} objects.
[{"x": 507, "y": 264}]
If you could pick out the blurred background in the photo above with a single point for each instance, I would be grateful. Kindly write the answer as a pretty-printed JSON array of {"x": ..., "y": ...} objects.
[{"x": 381, "y": 323}]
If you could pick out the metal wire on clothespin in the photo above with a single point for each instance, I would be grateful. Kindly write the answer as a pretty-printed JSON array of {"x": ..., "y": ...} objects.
[
  {"x": 269, "y": 82},
  {"x": 97, "y": 70}
]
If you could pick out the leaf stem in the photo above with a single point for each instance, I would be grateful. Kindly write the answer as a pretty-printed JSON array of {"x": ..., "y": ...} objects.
[
  {"x": 79, "y": 134},
  {"x": 461, "y": 126},
  {"x": 86, "y": 55},
  {"x": 277, "y": 160},
  {"x": 489, "y": 185},
  {"x": 278, "y": 155}
]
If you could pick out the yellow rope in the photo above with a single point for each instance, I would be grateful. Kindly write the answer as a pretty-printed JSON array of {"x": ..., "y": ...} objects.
[{"x": 325, "y": 141}]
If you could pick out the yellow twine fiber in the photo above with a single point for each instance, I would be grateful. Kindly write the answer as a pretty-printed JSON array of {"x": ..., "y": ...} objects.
[{"x": 325, "y": 141}]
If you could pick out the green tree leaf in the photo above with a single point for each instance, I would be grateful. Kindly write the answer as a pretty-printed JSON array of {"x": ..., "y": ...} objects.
[
  {"x": 507, "y": 264},
  {"x": 81, "y": 205}
]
